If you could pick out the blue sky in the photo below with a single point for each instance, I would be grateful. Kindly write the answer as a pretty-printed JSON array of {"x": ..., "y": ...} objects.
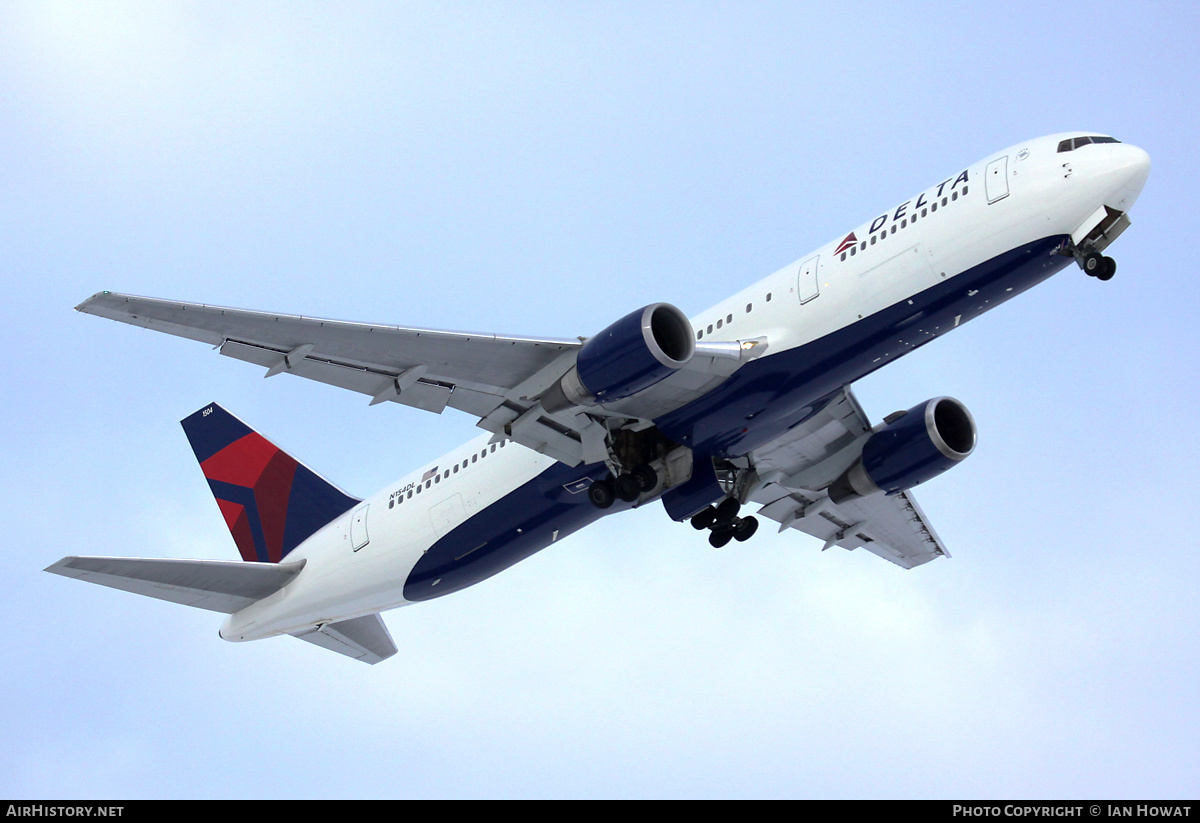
[{"x": 543, "y": 169}]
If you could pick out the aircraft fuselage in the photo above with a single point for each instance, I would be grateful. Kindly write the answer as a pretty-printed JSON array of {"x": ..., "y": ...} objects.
[{"x": 923, "y": 267}]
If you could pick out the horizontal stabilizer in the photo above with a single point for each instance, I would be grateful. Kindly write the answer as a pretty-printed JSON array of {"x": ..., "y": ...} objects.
[
  {"x": 363, "y": 638},
  {"x": 217, "y": 585}
]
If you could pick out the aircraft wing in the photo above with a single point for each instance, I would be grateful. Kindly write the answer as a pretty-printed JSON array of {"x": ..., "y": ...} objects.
[
  {"x": 489, "y": 376},
  {"x": 795, "y": 469}
]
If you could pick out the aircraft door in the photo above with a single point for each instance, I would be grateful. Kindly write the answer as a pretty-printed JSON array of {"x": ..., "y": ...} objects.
[
  {"x": 806, "y": 280},
  {"x": 995, "y": 180},
  {"x": 358, "y": 528}
]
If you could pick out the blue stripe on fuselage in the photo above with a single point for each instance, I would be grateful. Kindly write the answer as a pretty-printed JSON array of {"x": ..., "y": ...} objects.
[{"x": 761, "y": 401}]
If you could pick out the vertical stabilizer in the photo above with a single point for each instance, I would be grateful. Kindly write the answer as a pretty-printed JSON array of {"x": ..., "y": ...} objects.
[{"x": 270, "y": 501}]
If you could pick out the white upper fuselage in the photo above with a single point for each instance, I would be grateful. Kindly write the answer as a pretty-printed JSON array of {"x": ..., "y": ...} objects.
[
  {"x": 358, "y": 564},
  {"x": 1044, "y": 199}
]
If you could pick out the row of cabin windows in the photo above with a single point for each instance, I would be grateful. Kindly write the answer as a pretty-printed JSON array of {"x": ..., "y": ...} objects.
[
  {"x": 903, "y": 223},
  {"x": 726, "y": 320},
  {"x": 453, "y": 470}
]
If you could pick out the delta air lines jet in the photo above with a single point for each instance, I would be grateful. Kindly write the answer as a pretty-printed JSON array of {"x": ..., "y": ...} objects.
[{"x": 745, "y": 404}]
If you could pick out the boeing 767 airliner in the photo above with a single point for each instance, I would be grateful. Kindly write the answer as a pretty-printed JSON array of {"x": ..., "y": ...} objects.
[{"x": 747, "y": 403}]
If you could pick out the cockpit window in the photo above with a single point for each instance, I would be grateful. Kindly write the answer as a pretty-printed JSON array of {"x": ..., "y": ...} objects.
[{"x": 1076, "y": 142}]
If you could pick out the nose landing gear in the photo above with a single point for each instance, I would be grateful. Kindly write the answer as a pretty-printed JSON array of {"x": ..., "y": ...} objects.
[{"x": 1097, "y": 265}]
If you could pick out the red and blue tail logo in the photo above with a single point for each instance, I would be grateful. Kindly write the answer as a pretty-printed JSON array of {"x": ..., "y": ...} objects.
[{"x": 270, "y": 502}]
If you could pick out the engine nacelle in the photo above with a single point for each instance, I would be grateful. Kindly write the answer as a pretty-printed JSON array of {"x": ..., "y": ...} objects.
[
  {"x": 918, "y": 445},
  {"x": 632, "y": 354}
]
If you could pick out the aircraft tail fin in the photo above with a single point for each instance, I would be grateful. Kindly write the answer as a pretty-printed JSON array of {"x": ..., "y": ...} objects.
[{"x": 270, "y": 501}]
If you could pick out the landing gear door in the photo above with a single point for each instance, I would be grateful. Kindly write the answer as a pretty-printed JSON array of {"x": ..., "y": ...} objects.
[
  {"x": 995, "y": 179},
  {"x": 806, "y": 282}
]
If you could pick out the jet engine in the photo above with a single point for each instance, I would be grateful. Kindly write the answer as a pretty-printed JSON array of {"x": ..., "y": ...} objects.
[
  {"x": 632, "y": 354},
  {"x": 908, "y": 449}
]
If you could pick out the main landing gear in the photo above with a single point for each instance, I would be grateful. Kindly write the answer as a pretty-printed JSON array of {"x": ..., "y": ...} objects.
[
  {"x": 1097, "y": 265},
  {"x": 627, "y": 486},
  {"x": 724, "y": 523},
  {"x": 639, "y": 463}
]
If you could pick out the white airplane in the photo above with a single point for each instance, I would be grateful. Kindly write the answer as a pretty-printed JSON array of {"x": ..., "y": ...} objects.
[{"x": 748, "y": 402}]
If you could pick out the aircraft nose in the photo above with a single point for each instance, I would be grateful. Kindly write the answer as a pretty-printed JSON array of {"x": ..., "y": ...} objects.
[{"x": 1132, "y": 166}]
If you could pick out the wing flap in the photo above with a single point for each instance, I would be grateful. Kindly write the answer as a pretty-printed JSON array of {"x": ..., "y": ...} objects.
[
  {"x": 216, "y": 585},
  {"x": 363, "y": 638}
]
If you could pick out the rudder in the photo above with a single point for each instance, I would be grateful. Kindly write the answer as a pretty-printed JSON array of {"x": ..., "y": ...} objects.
[{"x": 270, "y": 501}]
